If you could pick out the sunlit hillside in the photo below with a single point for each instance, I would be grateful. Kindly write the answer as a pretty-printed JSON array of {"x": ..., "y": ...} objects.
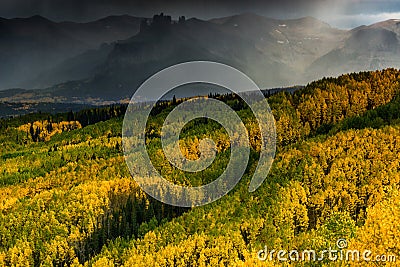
[{"x": 68, "y": 199}]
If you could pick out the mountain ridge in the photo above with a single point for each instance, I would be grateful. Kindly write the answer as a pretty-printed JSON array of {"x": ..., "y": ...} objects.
[
  {"x": 33, "y": 45},
  {"x": 273, "y": 52}
]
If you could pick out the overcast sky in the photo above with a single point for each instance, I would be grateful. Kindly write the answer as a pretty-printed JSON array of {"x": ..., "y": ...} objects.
[{"x": 339, "y": 13}]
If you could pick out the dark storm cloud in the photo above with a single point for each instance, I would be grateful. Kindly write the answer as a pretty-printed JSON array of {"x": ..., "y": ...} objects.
[
  {"x": 89, "y": 9},
  {"x": 336, "y": 11}
]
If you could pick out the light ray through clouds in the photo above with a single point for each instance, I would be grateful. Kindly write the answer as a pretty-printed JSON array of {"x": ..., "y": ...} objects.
[
  {"x": 347, "y": 14},
  {"x": 352, "y": 21}
]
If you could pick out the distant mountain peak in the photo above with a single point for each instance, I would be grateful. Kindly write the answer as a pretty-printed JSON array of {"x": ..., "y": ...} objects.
[
  {"x": 38, "y": 18},
  {"x": 390, "y": 23},
  {"x": 242, "y": 17},
  {"x": 159, "y": 22},
  {"x": 311, "y": 22}
]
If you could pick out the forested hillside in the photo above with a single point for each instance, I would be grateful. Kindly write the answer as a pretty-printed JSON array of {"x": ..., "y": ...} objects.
[{"x": 67, "y": 197}]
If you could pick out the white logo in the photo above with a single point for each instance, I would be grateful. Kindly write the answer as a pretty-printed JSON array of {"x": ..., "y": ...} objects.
[{"x": 153, "y": 89}]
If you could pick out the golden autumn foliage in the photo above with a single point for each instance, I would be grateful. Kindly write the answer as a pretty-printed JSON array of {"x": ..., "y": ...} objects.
[
  {"x": 381, "y": 232},
  {"x": 44, "y": 130},
  {"x": 71, "y": 201}
]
